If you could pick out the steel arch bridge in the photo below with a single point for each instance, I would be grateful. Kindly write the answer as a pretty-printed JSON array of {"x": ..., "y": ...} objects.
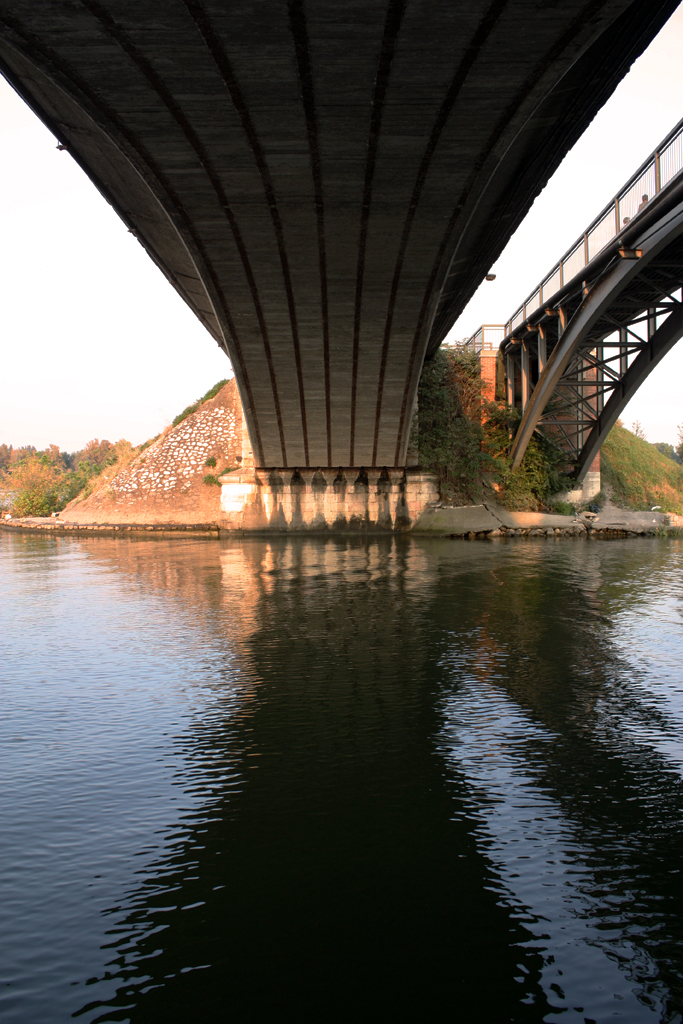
[{"x": 578, "y": 349}]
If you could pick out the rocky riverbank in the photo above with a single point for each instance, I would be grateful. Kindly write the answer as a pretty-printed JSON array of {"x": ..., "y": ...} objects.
[
  {"x": 470, "y": 521},
  {"x": 493, "y": 521}
]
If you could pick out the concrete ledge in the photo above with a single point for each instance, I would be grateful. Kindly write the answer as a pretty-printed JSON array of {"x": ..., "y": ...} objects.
[
  {"x": 530, "y": 520},
  {"x": 34, "y": 524},
  {"x": 457, "y": 521}
]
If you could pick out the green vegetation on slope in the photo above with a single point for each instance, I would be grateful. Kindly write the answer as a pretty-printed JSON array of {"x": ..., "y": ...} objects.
[
  {"x": 448, "y": 431},
  {"x": 465, "y": 440},
  {"x": 640, "y": 476},
  {"x": 211, "y": 393}
]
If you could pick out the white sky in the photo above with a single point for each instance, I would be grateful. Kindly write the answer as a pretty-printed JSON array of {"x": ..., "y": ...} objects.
[{"x": 96, "y": 343}]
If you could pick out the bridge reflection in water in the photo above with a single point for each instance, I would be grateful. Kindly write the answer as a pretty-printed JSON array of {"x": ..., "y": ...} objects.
[{"x": 415, "y": 779}]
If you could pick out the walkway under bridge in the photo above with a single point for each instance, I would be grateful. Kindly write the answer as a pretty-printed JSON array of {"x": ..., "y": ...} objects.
[{"x": 576, "y": 352}]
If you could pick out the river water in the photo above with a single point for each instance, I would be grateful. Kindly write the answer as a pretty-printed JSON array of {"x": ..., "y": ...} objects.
[{"x": 307, "y": 780}]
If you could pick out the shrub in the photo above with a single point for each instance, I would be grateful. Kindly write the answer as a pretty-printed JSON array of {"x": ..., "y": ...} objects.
[
  {"x": 210, "y": 462},
  {"x": 563, "y": 508},
  {"x": 470, "y": 457},
  {"x": 211, "y": 480},
  {"x": 44, "y": 482},
  {"x": 668, "y": 450},
  {"x": 449, "y": 434},
  {"x": 542, "y": 471},
  {"x": 39, "y": 485}
]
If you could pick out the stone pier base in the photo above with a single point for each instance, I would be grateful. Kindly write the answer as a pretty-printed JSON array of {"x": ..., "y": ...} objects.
[
  {"x": 589, "y": 486},
  {"x": 351, "y": 499}
]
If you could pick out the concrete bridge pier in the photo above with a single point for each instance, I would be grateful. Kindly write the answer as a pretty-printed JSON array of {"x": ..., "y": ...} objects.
[{"x": 345, "y": 499}]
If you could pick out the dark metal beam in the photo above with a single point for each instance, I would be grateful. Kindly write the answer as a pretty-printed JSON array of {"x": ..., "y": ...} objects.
[{"x": 660, "y": 344}]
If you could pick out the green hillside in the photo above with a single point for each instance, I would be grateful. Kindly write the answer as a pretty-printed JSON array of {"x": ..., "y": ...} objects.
[{"x": 640, "y": 476}]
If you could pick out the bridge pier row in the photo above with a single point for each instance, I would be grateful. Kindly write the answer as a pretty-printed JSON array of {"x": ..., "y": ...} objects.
[{"x": 325, "y": 500}]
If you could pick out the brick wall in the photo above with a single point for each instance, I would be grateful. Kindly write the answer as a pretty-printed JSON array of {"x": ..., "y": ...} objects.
[{"x": 488, "y": 374}]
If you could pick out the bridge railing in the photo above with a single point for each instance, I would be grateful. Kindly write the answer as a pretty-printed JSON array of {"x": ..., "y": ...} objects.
[
  {"x": 486, "y": 339},
  {"x": 649, "y": 180}
]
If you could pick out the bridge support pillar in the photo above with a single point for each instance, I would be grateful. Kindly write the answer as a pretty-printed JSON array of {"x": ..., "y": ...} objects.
[
  {"x": 591, "y": 483},
  {"x": 542, "y": 348},
  {"x": 600, "y": 378},
  {"x": 509, "y": 381},
  {"x": 344, "y": 500},
  {"x": 623, "y": 351},
  {"x": 526, "y": 377}
]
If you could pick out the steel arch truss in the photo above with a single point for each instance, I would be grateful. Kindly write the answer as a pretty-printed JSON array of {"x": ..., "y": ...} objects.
[{"x": 576, "y": 367}]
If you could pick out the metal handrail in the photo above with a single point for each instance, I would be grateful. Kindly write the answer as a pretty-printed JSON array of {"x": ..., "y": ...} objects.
[
  {"x": 651, "y": 178},
  {"x": 487, "y": 338}
]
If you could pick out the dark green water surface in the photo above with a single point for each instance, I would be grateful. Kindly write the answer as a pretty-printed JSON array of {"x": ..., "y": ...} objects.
[{"x": 396, "y": 780}]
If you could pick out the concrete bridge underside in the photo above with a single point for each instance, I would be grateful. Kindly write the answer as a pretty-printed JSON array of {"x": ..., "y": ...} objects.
[{"x": 325, "y": 182}]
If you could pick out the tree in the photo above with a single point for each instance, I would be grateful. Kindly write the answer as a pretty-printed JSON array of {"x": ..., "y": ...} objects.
[
  {"x": 37, "y": 483},
  {"x": 679, "y": 446},
  {"x": 668, "y": 450},
  {"x": 638, "y": 430}
]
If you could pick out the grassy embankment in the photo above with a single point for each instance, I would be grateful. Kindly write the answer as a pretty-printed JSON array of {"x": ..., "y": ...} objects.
[{"x": 638, "y": 475}]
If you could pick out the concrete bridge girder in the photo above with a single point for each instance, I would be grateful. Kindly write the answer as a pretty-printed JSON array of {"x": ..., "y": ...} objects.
[
  {"x": 325, "y": 183},
  {"x": 577, "y": 339}
]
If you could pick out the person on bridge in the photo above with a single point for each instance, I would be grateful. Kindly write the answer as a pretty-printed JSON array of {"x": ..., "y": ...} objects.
[{"x": 644, "y": 202}]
